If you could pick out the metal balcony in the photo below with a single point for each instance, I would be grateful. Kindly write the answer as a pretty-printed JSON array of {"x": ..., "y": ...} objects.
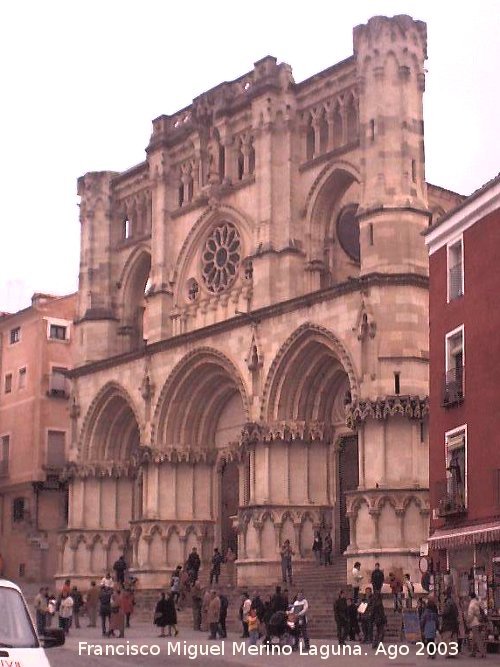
[{"x": 451, "y": 504}]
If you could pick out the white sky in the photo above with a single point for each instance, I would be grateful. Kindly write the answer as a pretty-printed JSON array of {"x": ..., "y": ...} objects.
[{"x": 81, "y": 82}]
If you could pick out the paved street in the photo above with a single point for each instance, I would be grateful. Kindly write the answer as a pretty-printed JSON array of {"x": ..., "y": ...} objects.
[{"x": 145, "y": 636}]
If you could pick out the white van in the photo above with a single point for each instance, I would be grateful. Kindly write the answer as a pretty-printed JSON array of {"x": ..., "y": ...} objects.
[{"x": 19, "y": 643}]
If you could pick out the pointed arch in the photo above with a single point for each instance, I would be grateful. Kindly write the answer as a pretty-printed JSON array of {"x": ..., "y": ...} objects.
[
  {"x": 192, "y": 400},
  {"x": 306, "y": 375},
  {"x": 110, "y": 430}
]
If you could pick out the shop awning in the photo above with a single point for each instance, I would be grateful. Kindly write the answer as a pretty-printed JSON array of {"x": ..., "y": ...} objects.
[{"x": 445, "y": 538}]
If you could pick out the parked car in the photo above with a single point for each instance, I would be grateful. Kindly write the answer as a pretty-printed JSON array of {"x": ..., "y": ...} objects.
[{"x": 19, "y": 642}]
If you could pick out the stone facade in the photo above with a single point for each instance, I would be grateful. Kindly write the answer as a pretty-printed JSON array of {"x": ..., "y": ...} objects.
[{"x": 253, "y": 324}]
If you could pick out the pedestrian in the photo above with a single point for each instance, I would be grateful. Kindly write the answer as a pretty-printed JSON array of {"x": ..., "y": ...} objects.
[
  {"x": 120, "y": 567},
  {"x": 352, "y": 619},
  {"x": 246, "y": 605},
  {"x": 396, "y": 590},
  {"x": 66, "y": 587},
  {"x": 286, "y": 561},
  {"x": 475, "y": 620},
  {"x": 105, "y": 607},
  {"x": 258, "y": 605},
  {"x": 193, "y": 564},
  {"x": 224, "y": 604},
  {"x": 175, "y": 584},
  {"x": 341, "y": 617},
  {"x": 51, "y": 608},
  {"x": 356, "y": 579},
  {"x": 299, "y": 608},
  {"x": 161, "y": 614},
  {"x": 128, "y": 602},
  {"x": 213, "y": 614},
  {"x": 171, "y": 615},
  {"x": 278, "y": 601},
  {"x": 364, "y": 613},
  {"x": 91, "y": 604},
  {"x": 117, "y": 617},
  {"x": 429, "y": 624},
  {"x": 196, "y": 602},
  {"x": 65, "y": 612},
  {"x": 317, "y": 548},
  {"x": 253, "y": 626},
  {"x": 40, "y": 604},
  {"x": 327, "y": 549},
  {"x": 77, "y": 605},
  {"x": 204, "y": 610},
  {"x": 230, "y": 567},
  {"x": 425, "y": 582},
  {"x": 408, "y": 592},
  {"x": 449, "y": 620},
  {"x": 377, "y": 578},
  {"x": 217, "y": 561},
  {"x": 378, "y": 618},
  {"x": 107, "y": 581},
  {"x": 185, "y": 588}
]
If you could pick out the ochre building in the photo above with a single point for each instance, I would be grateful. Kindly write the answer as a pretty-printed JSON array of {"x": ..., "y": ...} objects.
[{"x": 253, "y": 325}]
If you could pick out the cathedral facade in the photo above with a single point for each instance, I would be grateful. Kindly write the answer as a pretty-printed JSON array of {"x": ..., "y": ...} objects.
[{"x": 253, "y": 325}]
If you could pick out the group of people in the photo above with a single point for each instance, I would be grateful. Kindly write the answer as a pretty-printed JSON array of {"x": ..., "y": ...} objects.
[
  {"x": 322, "y": 548},
  {"x": 113, "y": 600}
]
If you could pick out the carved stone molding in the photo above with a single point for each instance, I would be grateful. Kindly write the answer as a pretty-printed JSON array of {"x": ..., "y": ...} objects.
[
  {"x": 412, "y": 407},
  {"x": 286, "y": 431}
]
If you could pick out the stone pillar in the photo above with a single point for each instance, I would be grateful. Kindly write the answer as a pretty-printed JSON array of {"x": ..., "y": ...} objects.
[
  {"x": 267, "y": 474},
  {"x": 375, "y": 514}
]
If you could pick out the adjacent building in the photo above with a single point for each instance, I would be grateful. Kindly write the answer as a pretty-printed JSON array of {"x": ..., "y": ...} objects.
[
  {"x": 252, "y": 325},
  {"x": 465, "y": 422},
  {"x": 36, "y": 350}
]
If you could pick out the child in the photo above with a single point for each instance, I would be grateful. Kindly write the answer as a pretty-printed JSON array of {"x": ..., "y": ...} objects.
[{"x": 253, "y": 626}]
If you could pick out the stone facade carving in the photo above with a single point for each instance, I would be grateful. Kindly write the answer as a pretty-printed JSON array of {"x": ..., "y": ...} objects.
[{"x": 222, "y": 345}]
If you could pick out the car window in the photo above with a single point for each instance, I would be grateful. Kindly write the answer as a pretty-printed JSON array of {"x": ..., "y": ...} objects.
[{"x": 16, "y": 629}]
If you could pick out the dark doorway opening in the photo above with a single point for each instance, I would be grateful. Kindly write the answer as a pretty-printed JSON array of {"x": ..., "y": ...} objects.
[
  {"x": 348, "y": 481},
  {"x": 229, "y": 505}
]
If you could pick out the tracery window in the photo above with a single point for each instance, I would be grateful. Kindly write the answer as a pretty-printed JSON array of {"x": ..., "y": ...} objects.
[{"x": 221, "y": 257}]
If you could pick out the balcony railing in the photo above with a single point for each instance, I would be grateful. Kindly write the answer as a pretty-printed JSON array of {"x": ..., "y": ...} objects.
[
  {"x": 451, "y": 504},
  {"x": 453, "y": 386},
  {"x": 58, "y": 386}
]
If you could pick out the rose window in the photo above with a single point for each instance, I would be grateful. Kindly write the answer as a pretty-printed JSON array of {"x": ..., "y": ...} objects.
[{"x": 221, "y": 257}]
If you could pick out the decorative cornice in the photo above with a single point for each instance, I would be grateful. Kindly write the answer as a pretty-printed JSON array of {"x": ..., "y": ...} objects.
[
  {"x": 99, "y": 469},
  {"x": 413, "y": 407},
  {"x": 175, "y": 455},
  {"x": 286, "y": 431}
]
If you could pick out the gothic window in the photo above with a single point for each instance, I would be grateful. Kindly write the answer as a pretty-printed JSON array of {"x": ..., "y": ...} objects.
[
  {"x": 126, "y": 228},
  {"x": 221, "y": 257},
  {"x": 310, "y": 140},
  {"x": 323, "y": 133},
  {"x": 348, "y": 231},
  {"x": 241, "y": 165},
  {"x": 251, "y": 158},
  {"x": 180, "y": 194},
  {"x": 337, "y": 128},
  {"x": 352, "y": 120},
  {"x": 193, "y": 289}
]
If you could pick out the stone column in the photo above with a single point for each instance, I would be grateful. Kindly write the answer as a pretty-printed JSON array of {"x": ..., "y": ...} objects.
[
  {"x": 308, "y": 472},
  {"x": 287, "y": 472},
  {"x": 375, "y": 514},
  {"x": 352, "y": 531},
  {"x": 267, "y": 474},
  {"x": 100, "y": 482},
  {"x": 252, "y": 475},
  {"x": 400, "y": 513}
]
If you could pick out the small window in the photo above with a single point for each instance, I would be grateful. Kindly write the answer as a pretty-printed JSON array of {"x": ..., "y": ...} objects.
[
  {"x": 18, "y": 510},
  {"x": 4, "y": 455},
  {"x": 126, "y": 229},
  {"x": 455, "y": 270},
  {"x": 58, "y": 332},
  {"x": 15, "y": 335},
  {"x": 22, "y": 378},
  {"x": 8, "y": 383}
]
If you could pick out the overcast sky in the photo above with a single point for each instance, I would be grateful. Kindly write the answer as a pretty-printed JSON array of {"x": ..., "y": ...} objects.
[{"x": 81, "y": 82}]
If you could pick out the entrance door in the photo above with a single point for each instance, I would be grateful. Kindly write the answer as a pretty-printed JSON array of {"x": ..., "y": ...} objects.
[
  {"x": 229, "y": 506},
  {"x": 348, "y": 481}
]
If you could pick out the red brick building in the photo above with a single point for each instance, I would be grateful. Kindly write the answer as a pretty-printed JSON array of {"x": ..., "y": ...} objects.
[{"x": 464, "y": 465}]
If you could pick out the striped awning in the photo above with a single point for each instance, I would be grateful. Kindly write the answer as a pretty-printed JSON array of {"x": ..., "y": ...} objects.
[{"x": 446, "y": 538}]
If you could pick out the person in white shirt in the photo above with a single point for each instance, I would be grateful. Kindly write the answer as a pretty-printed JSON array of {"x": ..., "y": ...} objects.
[
  {"x": 107, "y": 581},
  {"x": 65, "y": 612},
  {"x": 299, "y": 608},
  {"x": 356, "y": 579}
]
